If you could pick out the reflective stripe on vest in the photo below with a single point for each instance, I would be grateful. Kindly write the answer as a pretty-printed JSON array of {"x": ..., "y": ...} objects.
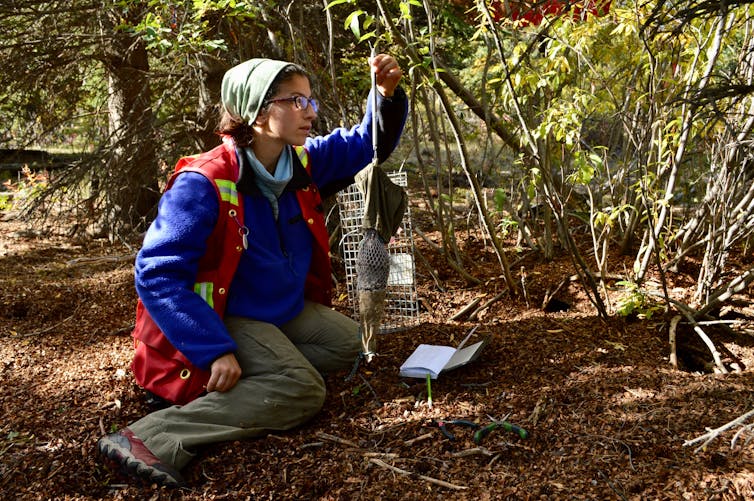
[
  {"x": 303, "y": 155},
  {"x": 229, "y": 194},
  {"x": 204, "y": 289},
  {"x": 228, "y": 191}
]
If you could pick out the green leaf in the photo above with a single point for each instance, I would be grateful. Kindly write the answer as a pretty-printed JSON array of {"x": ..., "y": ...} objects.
[
  {"x": 352, "y": 22},
  {"x": 367, "y": 36},
  {"x": 601, "y": 219},
  {"x": 368, "y": 22},
  {"x": 338, "y": 2},
  {"x": 405, "y": 10},
  {"x": 355, "y": 28}
]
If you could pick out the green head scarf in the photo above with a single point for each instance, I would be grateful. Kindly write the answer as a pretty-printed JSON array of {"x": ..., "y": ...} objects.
[{"x": 245, "y": 87}]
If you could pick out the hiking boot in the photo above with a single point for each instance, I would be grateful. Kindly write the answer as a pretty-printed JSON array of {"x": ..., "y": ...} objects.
[{"x": 130, "y": 453}]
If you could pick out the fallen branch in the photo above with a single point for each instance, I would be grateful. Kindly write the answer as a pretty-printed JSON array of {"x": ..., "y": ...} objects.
[
  {"x": 486, "y": 305},
  {"x": 337, "y": 440},
  {"x": 466, "y": 309},
  {"x": 311, "y": 444},
  {"x": 475, "y": 451},
  {"x": 738, "y": 434},
  {"x": 387, "y": 455},
  {"x": 412, "y": 441},
  {"x": 431, "y": 480},
  {"x": 712, "y": 434}
]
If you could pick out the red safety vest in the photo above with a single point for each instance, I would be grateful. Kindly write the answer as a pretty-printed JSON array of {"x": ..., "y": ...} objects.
[{"x": 157, "y": 365}]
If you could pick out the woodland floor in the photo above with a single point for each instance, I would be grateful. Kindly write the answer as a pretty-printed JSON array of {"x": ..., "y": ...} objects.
[{"x": 606, "y": 414}]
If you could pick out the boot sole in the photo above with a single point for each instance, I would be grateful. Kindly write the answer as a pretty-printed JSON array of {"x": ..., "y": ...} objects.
[{"x": 133, "y": 467}]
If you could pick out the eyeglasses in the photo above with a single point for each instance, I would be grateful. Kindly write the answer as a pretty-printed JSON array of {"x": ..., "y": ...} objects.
[{"x": 301, "y": 102}]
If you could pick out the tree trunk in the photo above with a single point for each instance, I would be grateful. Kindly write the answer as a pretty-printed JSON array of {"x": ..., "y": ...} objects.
[
  {"x": 130, "y": 179},
  {"x": 210, "y": 76}
]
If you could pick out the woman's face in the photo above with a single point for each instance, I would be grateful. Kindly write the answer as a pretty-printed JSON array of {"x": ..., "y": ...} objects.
[{"x": 285, "y": 121}]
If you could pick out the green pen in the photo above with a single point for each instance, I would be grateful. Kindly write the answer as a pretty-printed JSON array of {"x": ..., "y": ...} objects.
[{"x": 429, "y": 391}]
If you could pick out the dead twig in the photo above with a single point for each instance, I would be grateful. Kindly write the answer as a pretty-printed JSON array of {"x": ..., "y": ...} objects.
[
  {"x": 387, "y": 455},
  {"x": 475, "y": 451},
  {"x": 311, "y": 444},
  {"x": 208, "y": 476},
  {"x": 55, "y": 472},
  {"x": 710, "y": 345},
  {"x": 337, "y": 440},
  {"x": 486, "y": 305},
  {"x": 449, "y": 260},
  {"x": 712, "y": 434},
  {"x": 549, "y": 295},
  {"x": 412, "y": 441},
  {"x": 429, "y": 269},
  {"x": 493, "y": 460},
  {"x": 277, "y": 437},
  {"x": 431, "y": 480},
  {"x": 466, "y": 309},
  {"x": 47, "y": 329},
  {"x": 123, "y": 330},
  {"x": 610, "y": 484},
  {"x": 738, "y": 434},
  {"x": 374, "y": 393}
]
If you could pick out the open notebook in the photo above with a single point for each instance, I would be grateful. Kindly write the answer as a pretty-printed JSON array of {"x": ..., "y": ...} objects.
[{"x": 433, "y": 359}]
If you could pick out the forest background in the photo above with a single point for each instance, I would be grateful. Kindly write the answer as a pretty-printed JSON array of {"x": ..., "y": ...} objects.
[{"x": 590, "y": 132}]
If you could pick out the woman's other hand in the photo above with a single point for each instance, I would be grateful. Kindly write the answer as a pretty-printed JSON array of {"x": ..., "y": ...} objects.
[{"x": 224, "y": 373}]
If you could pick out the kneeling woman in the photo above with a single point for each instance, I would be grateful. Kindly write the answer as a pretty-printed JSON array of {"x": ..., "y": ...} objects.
[{"x": 234, "y": 273}]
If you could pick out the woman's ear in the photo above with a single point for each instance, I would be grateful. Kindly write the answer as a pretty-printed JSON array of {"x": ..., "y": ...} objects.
[{"x": 262, "y": 117}]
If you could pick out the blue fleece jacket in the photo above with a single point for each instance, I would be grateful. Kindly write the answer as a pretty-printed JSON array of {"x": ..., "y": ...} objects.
[{"x": 269, "y": 282}]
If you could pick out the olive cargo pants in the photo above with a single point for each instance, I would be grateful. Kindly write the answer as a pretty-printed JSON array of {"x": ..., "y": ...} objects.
[{"x": 280, "y": 386}]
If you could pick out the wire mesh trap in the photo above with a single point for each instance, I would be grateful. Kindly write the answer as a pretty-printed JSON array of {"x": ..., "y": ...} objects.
[{"x": 401, "y": 301}]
